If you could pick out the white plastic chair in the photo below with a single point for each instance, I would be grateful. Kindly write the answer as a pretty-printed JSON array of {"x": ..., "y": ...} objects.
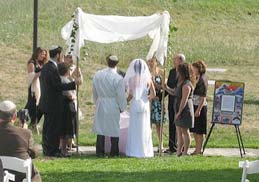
[
  {"x": 248, "y": 168},
  {"x": 8, "y": 176},
  {"x": 19, "y": 165},
  {"x": 1, "y": 172}
]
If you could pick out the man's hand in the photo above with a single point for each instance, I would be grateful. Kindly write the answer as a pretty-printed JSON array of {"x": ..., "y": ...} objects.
[{"x": 169, "y": 90}]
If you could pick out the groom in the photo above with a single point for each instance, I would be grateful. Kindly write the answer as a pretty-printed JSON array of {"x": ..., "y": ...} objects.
[{"x": 110, "y": 100}]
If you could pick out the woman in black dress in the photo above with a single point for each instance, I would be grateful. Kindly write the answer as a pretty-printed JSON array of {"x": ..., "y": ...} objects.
[
  {"x": 34, "y": 65},
  {"x": 183, "y": 106},
  {"x": 68, "y": 111},
  {"x": 200, "y": 105}
]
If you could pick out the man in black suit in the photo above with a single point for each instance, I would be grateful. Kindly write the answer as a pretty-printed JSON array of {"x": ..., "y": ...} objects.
[
  {"x": 51, "y": 102},
  {"x": 171, "y": 85},
  {"x": 15, "y": 141}
]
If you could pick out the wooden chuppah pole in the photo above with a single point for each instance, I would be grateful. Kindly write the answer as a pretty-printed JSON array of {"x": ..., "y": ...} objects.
[
  {"x": 73, "y": 41},
  {"x": 162, "y": 112},
  {"x": 77, "y": 108}
]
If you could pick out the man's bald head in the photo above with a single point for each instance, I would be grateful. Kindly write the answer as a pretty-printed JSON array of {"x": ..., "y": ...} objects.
[{"x": 178, "y": 59}]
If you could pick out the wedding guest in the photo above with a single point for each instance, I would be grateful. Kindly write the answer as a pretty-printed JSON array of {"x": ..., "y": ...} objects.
[
  {"x": 68, "y": 112},
  {"x": 34, "y": 66},
  {"x": 74, "y": 73},
  {"x": 184, "y": 117},
  {"x": 156, "y": 103},
  {"x": 16, "y": 141},
  {"x": 140, "y": 90},
  {"x": 110, "y": 100},
  {"x": 200, "y": 106},
  {"x": 51, "y": 103},
  {"x": 170, "y": 87}
]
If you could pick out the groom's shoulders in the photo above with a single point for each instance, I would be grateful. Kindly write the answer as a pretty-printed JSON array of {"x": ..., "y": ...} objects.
[
  {"x": 99, "y": 72},
  {"x": 108, "y": 73}
]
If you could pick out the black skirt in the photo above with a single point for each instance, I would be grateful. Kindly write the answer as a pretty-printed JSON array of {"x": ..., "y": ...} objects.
[
  {"x": 68, "y": 126},
  {"x": 200, "y": 123},
  {"x": 34, "y": 111}
]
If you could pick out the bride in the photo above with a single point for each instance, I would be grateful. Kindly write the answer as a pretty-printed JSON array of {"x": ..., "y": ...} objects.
[{"x": 140, "y": 91}]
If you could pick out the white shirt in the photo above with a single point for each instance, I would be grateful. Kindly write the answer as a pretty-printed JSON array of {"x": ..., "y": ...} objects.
[{"x": 54, "y": 62}]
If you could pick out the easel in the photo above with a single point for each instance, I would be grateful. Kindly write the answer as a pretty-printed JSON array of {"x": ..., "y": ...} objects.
[
  {"x": 239, "y": 139},
  {"x": 236, "y": 89}
]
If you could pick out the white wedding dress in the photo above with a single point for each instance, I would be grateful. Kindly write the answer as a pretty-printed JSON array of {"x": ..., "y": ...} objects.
[{"x": 139, "y": 141}]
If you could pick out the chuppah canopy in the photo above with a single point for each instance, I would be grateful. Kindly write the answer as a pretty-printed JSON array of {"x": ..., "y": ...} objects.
[{"x": 110, "y": 29}]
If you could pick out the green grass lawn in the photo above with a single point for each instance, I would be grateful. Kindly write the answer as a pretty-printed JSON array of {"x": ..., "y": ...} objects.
[{"x": 171, "y": 168}]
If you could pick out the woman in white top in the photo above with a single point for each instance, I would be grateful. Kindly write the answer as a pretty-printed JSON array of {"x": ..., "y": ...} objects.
[
  {"x": 140, "y": 91},
  {"x": 34, "y": 65}
]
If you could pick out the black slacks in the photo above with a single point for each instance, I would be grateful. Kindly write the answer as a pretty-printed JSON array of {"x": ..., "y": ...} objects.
[
  {"x": 100, "y": 146},
  {"x": 51, "y": 134},
  {"x": 172, "y": 128}
]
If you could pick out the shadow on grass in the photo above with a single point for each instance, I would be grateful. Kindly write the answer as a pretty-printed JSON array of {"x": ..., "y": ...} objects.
[
  {"x": 251, "y": 101},
  {"x": 152, "y": 176}
]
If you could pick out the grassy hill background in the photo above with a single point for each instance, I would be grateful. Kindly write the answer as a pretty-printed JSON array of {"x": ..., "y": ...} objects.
[
  {"x": 218, "y": 31},
  {"x": 223, "y": 33}
]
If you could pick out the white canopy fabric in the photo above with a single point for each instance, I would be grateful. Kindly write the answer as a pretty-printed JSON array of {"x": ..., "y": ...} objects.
[{"x": 109, "y": 29}]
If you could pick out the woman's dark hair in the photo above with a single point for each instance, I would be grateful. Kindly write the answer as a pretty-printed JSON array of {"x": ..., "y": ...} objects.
[
  {"x": 36, "y": 54},
  {"x": 138, "y": 67},
  {"x": 62, "y": 68},
  {"x": 201, "y": 66},
  {"x": 186, "y": 73},
  {"x": 54, "y": 52}
]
